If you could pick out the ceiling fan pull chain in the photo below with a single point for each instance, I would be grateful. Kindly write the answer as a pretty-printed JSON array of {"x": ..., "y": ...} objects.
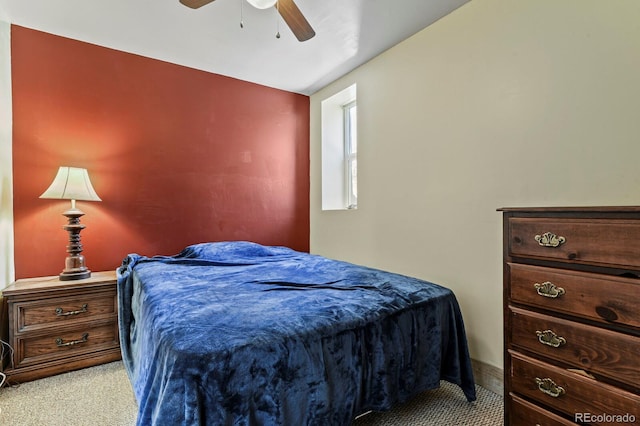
[
  {"x": 278, "y": 19},
  {"x": 241, "y": 18}
]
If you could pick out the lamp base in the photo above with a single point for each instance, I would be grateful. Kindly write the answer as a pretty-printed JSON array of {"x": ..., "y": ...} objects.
[
  {"x": 74, "y": 265},
  {"x": 71, "y": 275}
]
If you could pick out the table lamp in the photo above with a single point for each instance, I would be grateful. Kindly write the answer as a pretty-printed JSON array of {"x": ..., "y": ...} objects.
[{"x": 72, "y": 183}]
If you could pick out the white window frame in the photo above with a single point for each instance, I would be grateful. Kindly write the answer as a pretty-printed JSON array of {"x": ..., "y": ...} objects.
[
  {"x": 339, "y": 189},
  {"x": 351, "y": 153}
]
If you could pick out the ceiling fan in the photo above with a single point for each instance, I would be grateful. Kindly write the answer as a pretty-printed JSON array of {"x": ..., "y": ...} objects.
[{"x": 287, "y": 8}]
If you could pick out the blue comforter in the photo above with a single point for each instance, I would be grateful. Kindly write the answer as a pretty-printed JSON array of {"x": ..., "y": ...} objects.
[{"x": 236, "y": 333}]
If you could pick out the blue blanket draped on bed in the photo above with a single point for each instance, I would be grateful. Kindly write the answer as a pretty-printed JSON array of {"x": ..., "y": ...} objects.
[{"x": 237, "y": 333}]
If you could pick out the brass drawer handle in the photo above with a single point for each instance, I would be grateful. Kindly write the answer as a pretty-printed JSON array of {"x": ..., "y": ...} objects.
[
  {"x": 61, "y": 343},
  {"x": 549, "y": 239},
  {"x": 549, "y": 289},
  {"x": 550, "y": 338},
  {"x": 549, "y": 387},
  {"x": 61, "y": 313}
]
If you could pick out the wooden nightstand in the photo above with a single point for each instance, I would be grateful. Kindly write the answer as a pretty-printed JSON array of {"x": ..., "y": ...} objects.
[{"x": 59, "y": 326}]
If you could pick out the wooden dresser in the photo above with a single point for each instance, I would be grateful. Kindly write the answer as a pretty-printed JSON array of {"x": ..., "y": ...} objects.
[
  {"x": 58, "y": 326},
  {"x": 572, "y": 315}
]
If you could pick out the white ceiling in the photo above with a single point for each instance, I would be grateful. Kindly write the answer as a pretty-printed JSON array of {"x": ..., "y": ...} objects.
[{"x": 348, "y": 33}]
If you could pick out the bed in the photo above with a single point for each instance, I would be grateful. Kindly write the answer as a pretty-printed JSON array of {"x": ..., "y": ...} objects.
[{"x": 236, "y": 333}]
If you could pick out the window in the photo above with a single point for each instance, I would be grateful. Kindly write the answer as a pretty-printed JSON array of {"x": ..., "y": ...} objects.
[
  {"x": 339, "y": 151},
  {"x": 350, "y": 124}
]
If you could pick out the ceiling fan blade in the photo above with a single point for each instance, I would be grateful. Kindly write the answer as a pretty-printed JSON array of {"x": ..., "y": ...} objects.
[
  {"x": 194, "y": 4},
  {"x": 295, "y": 20}
]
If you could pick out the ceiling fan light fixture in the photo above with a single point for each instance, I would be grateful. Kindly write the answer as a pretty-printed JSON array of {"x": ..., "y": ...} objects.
[
  {"x": 287, "y": 9},
  {"x": 262, "y": 4}
]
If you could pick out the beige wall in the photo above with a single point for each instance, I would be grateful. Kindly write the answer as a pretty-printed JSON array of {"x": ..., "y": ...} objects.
[
  {"x": 6, "y": 205},
  {"x": 501, "y": 103}
]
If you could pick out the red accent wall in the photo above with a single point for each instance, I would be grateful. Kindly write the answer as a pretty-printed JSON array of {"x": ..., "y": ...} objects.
[{"x": 178, "y": 156}]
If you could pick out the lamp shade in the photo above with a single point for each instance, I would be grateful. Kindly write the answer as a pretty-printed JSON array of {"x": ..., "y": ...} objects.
[
  {"x": 262, "y": 4},
  {"x": 71, "y": 183}
]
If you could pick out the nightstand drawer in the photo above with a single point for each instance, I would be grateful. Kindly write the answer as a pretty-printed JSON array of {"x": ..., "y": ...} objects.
[
  {"x": 596, "y": 351},
  {"x": 601, "y": 242},
  {"x": 64, "y": 310},
  {"x": 66, "y": 343},
  {"x": 595, "y": 296},
  {"x": 568, "y": 392}
]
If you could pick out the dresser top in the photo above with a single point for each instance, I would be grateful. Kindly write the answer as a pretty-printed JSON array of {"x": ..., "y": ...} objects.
[{"x": 585, "y": 209}]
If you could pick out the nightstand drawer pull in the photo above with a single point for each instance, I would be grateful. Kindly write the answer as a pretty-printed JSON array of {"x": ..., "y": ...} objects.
[
  {"x": 549, "y": 239},
  {"x": 550, "y": 338},
  {"x": 61, "y": 343},
  {"x": 61, "y": 313},
  {"x": 549, "y": 387},
  {"x": 548, "y": 289}
]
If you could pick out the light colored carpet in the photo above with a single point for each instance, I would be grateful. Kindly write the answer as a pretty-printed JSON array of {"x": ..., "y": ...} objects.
[
  {"x": 96, "y": 396},
  {"x": 102, "y": 396},
  {"x": 444, "y": 406}
]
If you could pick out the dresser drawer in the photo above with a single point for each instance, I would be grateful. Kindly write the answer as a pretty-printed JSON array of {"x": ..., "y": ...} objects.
[
  {"x": 55, "y": 312},
  {"x": 597, "y": 351},
  {"x": 568, "y": 392},
  {"x": 65, "y": 343},
  {"x": 524, "y": 413},
  {"x": 599, "y": 297},
  {"x": 600, "y": 242}
]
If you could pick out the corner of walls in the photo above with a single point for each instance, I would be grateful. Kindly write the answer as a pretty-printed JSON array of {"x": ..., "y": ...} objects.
[{"x": 7, "y": 271}]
